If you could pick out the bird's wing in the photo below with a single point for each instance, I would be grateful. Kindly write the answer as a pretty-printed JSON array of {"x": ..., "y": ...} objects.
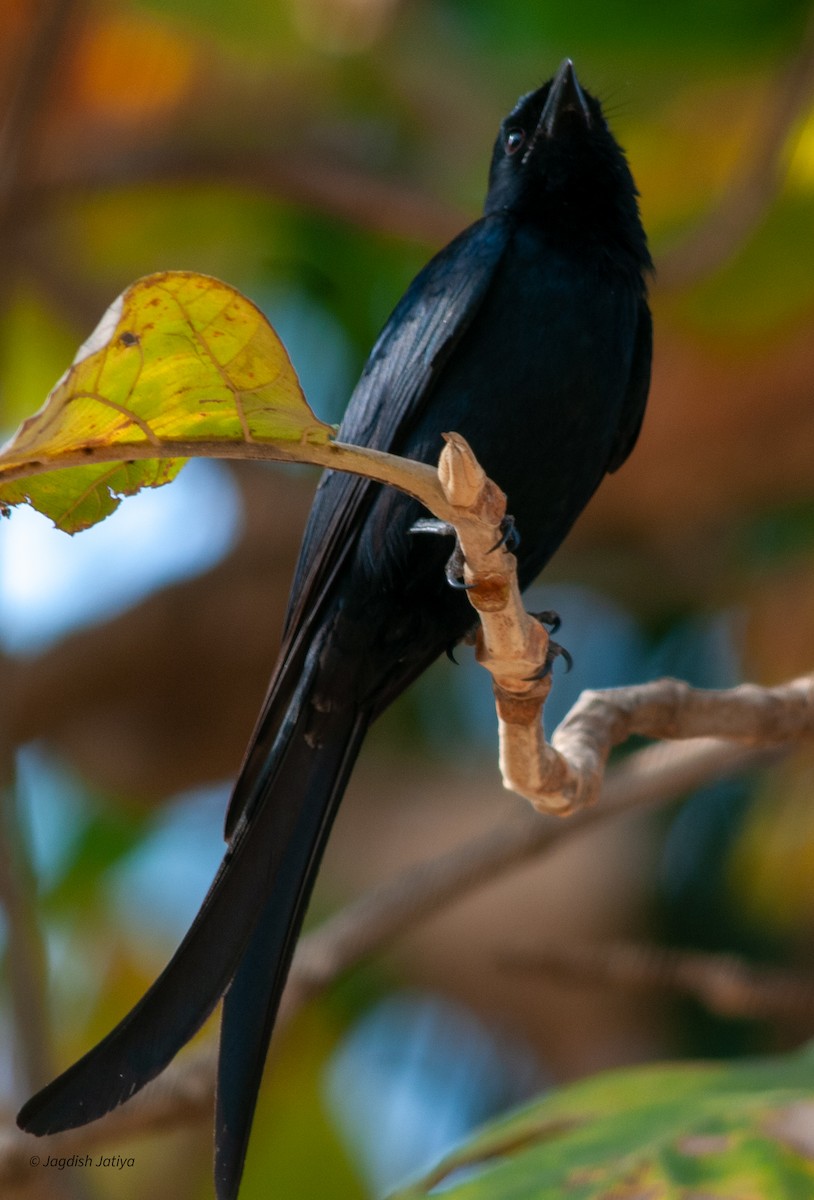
[
  {"x": 632, "y": 415},
  {"x": 398, "y": 379},
  {"x": 410, "y": 353}
]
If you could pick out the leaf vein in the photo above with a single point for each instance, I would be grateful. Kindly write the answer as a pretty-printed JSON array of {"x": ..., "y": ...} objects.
[{"x": 205, "y": 349}]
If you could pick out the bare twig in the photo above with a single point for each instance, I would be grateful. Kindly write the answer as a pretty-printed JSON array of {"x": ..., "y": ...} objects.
[
  {"x": 669, "y": 708},
  {"x": 511, "y": 645},
  {"x": 723, "y": 982}
]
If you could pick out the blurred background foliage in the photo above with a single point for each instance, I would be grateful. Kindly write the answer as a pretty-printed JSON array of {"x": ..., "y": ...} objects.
[{"x": 314, "y": 153}]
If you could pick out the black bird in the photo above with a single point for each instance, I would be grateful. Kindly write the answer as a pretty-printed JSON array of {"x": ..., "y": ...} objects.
[{"x": 530, "y": 335}]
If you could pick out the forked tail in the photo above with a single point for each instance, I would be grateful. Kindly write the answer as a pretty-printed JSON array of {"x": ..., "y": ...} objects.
[{"x": 243, "y": 934}]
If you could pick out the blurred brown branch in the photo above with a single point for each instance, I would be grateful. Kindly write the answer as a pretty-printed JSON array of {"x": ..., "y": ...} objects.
[
  {"x": 334, "y": 188},
  {"x": 724, "y": 983},
  {"x": 25, "y": 106},
  {"x": 29, "y": 91},
  {"x": 650, "y": 778}
]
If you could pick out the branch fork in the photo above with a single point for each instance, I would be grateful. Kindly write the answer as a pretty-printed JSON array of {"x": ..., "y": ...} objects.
[{"x": 568, "y": 773}]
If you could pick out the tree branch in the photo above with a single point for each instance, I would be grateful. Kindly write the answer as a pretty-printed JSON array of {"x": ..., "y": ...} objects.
[
  {"x": 647, "y": 779},
  {"x": 513, "y": 646},
  {"x": 724, "y": 983}
]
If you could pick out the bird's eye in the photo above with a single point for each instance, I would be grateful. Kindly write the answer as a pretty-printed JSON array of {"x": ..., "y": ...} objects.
[{"x": 514, "y": 140}]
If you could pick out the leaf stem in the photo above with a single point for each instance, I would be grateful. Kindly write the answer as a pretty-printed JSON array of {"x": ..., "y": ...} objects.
[{"x": 416, "y": 479}]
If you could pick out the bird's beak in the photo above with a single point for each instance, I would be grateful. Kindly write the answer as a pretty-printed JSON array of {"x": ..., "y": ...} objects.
[{"x": 566, "y": 96}]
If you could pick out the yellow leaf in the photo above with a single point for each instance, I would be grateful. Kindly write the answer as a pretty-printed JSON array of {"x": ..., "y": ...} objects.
[{"x": 178, "y": 358}]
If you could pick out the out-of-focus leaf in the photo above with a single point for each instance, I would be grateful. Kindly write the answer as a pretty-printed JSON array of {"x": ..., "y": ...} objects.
[
  {"x": 766, "y": 286},
  {"x": 771, "y": 865},
  {"x": 296, "y": 1151},
  {"x": 662, "y": 1132},
  {"x": 128, "y": 67},
  {"x": 246, "y": 23},
  {"x": 778, "y": 536},
  {"x": 35, "y": 344},
  {"x": 736, "y": 27},
  {"x": 178, "y": 357},
  {"x": 104, "y": 840}
]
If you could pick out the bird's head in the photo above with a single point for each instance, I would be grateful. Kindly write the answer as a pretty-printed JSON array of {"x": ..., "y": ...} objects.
[{"x": 556, "y": 163}]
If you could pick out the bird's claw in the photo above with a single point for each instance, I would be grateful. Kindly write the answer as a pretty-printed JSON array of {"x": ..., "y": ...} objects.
[
  {"x": 509, "y": 537},
  {"x": 549, "y": 618},
  {"x": 454, "y": 570},
  {"x": 555, "y": 650}
]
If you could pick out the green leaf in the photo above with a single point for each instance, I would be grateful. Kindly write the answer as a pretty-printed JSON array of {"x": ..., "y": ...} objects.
[
  {"x": 177, "y": 359},
  {"x": 665, "y": 1133}
]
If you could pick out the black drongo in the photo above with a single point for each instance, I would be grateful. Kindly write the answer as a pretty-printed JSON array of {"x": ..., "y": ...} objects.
[{"x": 530, "y": 335}]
